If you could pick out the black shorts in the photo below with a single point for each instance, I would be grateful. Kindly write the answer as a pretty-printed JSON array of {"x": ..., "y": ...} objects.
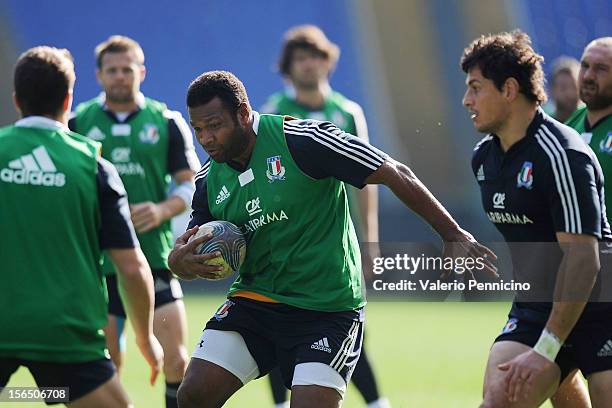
[
  {"x": 80, "y": 378},
  {"x": 588, "y": 347},
  {"x": 285, "y": 336},
  {"x": 167, "y": 290}
]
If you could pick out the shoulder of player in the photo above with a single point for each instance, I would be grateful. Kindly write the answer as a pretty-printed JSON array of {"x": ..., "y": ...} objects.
[
  {"x": 202, "y": 174},
  {"x": 480, "y": 151},
  {"x": 6, "y": 130},
  {"x": 155, "y": 105},
  {"x": 272, "y": 103},
  {"x": 345, "y": 104},
  {"x": 558, "y": 136},
  {"x": 576, "y": 117},
  {"x": 86, "y": 107},
  {"x": 559, "y": 145},
  {"x": 309, "y": 128},
  {"x": 483, "y": 144},
  {"x": 83, "y": 144},
  {"x": 176, "y": 118}
]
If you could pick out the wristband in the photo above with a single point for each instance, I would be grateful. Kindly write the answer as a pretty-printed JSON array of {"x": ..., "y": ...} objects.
[
  {"x": 185, "y": 192},
  {"x": 548, "y": 345}
]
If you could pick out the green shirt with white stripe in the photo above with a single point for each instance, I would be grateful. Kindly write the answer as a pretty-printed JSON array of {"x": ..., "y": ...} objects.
[
  {"x": 138, "y": 148},
  {"x": 53, "y": 298},
  {"x": 339, "y": 110},
  {"x": 302, "y": 249},
  {"x": 599, "y": 137}
]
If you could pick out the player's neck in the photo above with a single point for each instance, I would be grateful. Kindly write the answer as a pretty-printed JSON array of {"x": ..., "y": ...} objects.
[
  {"x": 121, "y": 106},
  {"x": 245, "y": 157},
  {"x": 594, "y": 116},
  {"x": 515, "y": 127},
  {"x": 311, "y": 98},
  {"x": 61, "y": 118}
]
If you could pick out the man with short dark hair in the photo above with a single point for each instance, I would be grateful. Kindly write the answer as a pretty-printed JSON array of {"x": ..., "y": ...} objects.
[
  {"x": 62, "y": 205},
  {"x": 564, "y": 87},
  {"x": 551, "y": 213},
  {"x": 298, "y": 300},
  {"x": 307, "y": 60},
  {"x": 148, "y": 144}
]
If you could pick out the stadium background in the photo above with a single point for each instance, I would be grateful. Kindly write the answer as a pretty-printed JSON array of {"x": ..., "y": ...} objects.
[{"x": 400, "y": 62}]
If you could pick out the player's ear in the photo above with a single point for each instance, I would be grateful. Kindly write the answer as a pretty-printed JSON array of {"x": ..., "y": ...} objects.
[
  {"x": 67, "y": 104},
  {"x": 244, "y": 114},
  {"x": 143, "y": 73},
  {"x": 99, "y": 76},
  {"x": 511, "y": 89}
]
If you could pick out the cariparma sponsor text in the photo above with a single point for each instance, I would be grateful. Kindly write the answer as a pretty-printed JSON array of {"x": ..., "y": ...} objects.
[
  {"x": 507, "y": 218},
  {"x": 264, "y": 219},
  {"x": 130, "y": 169}
]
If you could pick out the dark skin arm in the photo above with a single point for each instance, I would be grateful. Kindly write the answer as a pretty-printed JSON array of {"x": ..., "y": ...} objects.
[{"x": 409, "y": 189}]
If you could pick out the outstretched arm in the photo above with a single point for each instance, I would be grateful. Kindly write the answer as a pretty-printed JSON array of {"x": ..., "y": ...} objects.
[{"x": 412, "y": 192}]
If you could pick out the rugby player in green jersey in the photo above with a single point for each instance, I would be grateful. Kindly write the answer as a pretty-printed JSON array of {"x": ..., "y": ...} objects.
[
  {"x": 298, "y": 300},
  {"x": 564, "y": 88},
  {"x": 306, "y": 62},
  {"x": 148, "y": 144},
  {"x": 594, "y": 120},
  {"x": 62, "y": 204}
]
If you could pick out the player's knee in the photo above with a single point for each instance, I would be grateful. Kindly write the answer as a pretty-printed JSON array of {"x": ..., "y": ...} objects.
[{"x": 175, "y": 365}]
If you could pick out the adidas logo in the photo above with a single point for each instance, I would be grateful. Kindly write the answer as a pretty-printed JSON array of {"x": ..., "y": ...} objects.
[
  {"x": 35, "y": 168},
  {"x": 480, "y": 174},
  {"x": 321, "y": 345},
  {"x": 95, "y": 134},
  {"x": 606, "y": 350},
  {"x": 223, "y": 195}
]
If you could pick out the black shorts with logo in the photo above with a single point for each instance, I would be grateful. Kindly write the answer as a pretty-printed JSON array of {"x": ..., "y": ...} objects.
[
  {"x": 588, "y": 347},
  {"x": 167, "y": 290},
  {"x": 282, "y": 335},
  {"x": 80, "y": 378}
]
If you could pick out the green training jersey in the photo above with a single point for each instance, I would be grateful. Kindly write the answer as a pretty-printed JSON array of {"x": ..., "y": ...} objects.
[
  {"x": 52, "y": 294},
  {"x": 139, "y": 149},
  {"x": 339, "y": 110},
  {"x": 301, "y": 245},
  {"x": 599, "y": 137}
]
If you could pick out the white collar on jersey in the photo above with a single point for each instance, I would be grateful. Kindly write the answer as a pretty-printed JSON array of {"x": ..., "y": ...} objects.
[
  {"x": 140, "y": 100},
  {"x": 40, "y": 122},
  {"x": 255, "y": 116}
]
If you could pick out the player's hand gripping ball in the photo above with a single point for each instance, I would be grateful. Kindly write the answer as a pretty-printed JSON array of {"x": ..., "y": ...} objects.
[{"x": 228, "y": 240}]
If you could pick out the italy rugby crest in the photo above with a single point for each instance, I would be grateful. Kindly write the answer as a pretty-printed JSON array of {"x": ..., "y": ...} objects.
[
  {"x": 149, "y": 134},
  {"x": 525, "y": 177},
  {"x": 275, "y": 170},
  {"x": 606, "y": 144},
  {"x": 510, "y": 326}
]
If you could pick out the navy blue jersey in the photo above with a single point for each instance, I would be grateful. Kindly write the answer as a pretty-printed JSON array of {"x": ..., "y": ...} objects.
[{"x": 549, "y": 181}]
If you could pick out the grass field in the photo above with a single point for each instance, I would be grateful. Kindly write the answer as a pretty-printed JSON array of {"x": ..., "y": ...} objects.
[{"x": 426, "y": 355}]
